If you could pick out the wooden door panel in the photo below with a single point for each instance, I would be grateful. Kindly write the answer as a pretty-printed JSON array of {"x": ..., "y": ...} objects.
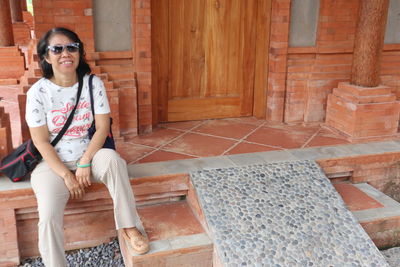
[
  {"x": 222, "y": 48},
  {"x": 248, "y": 49},
  {"x": 186, "y": 55},
  {"x": 196, "y": 108},
  {"x": 209, "y": 72},
  {"x": 160, "y": 54}
]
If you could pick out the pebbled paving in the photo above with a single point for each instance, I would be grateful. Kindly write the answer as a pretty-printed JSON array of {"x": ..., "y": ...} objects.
[{"x": 281, "y": 214}]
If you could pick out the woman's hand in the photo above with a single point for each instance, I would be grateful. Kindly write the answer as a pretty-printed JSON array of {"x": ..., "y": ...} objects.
[
  {"x": 75, "y": 189},
  {"x": 83, "y": 176}
]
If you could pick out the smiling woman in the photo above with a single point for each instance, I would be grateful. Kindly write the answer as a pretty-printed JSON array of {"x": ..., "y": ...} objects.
[{"x": 62, "y": 98}]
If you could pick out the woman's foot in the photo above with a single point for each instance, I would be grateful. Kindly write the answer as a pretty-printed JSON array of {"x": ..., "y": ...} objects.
[{"x": 139, "y": 243}]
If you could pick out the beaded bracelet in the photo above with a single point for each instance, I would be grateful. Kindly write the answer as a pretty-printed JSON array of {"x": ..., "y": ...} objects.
[{"x": 83, "y": 165}]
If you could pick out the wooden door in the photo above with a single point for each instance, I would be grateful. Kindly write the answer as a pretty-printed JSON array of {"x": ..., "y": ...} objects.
[{"x": 203, "y": 58}]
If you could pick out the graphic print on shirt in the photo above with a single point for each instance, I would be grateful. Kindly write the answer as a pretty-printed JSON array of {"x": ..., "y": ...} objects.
[{"x": 80, "y": 123}]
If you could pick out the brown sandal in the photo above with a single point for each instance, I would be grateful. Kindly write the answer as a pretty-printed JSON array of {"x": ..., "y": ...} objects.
[{"x": 138, "y": 242}]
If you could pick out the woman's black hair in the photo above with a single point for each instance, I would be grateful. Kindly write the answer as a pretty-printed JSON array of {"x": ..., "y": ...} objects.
[{"x": 83, "y": 67}]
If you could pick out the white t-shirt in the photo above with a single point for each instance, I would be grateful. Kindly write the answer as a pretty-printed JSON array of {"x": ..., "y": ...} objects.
[{"x": 50, "y": 104}]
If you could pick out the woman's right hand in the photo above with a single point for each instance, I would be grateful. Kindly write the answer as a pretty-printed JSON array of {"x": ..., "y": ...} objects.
[{"x": 76, "y": 190}]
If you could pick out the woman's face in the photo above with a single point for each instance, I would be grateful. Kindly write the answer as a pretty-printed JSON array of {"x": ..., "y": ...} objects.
[{"x": 66, "y": 62}]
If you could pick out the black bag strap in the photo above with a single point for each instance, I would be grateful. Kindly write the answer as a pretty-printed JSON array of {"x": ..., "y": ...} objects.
[
  {"x": 71, "y": 115},
  {"x": 91, "y": 93}
]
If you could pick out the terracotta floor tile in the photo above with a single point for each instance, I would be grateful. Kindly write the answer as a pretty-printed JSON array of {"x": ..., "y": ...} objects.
[
  {"x": 200, "y": 145},
  {"x": 183, "y": 125},
  {"x": 280, "y": 137},
  {"x": 248, "y": 120},
  {"x": 161, "y": 155},
  {"x": 310, "y": 130},
  {"x": 169, "y": 220},
  {"x": 245, "y": 147},
  {"x": 157, "y": 138},
  {"x": 356, "y": 199},
  {"x": 326, "y": 141},
  {"x": 225, "y": 128},
  {"x": 131, "y": 152}
]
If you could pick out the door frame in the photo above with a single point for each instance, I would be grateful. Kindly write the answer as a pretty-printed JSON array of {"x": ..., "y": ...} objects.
[{"x": 263, "y": 26}]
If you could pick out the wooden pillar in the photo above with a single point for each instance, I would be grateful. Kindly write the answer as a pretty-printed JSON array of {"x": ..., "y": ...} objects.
[
  {"x": 16, "y": 11},
  {"x": 368, "y": 44},
  {"x": 6, "y": 30}
]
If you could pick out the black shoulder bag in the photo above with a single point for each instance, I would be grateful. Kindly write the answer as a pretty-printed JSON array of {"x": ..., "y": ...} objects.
[
  {"x": 109, "y": 142},
  {"x": 21, "y": 162}
]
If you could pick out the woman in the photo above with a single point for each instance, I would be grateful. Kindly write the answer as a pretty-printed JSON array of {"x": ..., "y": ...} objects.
[{"x": 67, "y": 168}]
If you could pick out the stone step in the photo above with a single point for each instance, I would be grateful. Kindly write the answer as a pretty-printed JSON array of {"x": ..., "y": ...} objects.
[
  {"x": 92, "y": 215},
  {"x": 377, "y": 213},
  {"x": 176, "y": 238},
  {"x": 285, "y": 214}
]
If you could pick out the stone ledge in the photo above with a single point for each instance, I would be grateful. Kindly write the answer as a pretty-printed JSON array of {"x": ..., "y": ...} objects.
[
  {"x": 92, "y": 215},
  {"x": 323, "y": 155}
]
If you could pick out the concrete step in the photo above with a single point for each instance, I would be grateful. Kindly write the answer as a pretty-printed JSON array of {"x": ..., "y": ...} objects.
[
  {"x": 377, "y": 213},
  {"x": 176, "y": 238}
]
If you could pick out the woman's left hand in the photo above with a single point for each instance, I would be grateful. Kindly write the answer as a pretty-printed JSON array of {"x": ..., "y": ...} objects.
[{"x": 83, "y": 176}]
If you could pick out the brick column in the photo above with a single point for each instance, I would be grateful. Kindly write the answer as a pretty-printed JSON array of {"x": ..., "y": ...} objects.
[
  {"x": 277, "y": 60},
  {"x": 364, "y": 109},
  {"x": 6, "y": 31},
  {"x": 16, "y": 10},
  {"x": 141, "y": 37}
]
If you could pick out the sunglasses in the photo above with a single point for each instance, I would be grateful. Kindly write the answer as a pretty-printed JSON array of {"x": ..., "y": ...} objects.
[{"x": 58, "y": 49}]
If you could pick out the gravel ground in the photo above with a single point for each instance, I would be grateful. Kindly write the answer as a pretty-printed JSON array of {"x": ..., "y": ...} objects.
[{"x": 107, "y": 255}]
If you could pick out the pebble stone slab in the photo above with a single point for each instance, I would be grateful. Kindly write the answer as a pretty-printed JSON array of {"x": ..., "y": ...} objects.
[{"x": 281, "y": 214}]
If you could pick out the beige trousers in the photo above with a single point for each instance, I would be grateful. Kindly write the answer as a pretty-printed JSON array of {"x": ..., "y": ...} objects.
[{"x": 52, "y": 196}]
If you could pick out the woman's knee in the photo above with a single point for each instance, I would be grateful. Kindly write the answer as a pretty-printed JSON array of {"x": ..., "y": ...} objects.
[{"x": 105, "y": 156}]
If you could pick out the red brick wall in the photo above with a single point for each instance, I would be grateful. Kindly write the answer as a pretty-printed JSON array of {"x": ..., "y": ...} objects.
[
  {"x": 72, "y": 14},
  {"x": 279, "y": 37},
  {"x": 300, "y": 79},
  {"x": 77, "y": 16},
  {"x": 141, "y": 40},
  {"x": 377, "y": 170}
]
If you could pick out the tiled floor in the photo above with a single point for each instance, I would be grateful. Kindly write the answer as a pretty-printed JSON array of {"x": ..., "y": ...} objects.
[{"x": 195, "y": 139}]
